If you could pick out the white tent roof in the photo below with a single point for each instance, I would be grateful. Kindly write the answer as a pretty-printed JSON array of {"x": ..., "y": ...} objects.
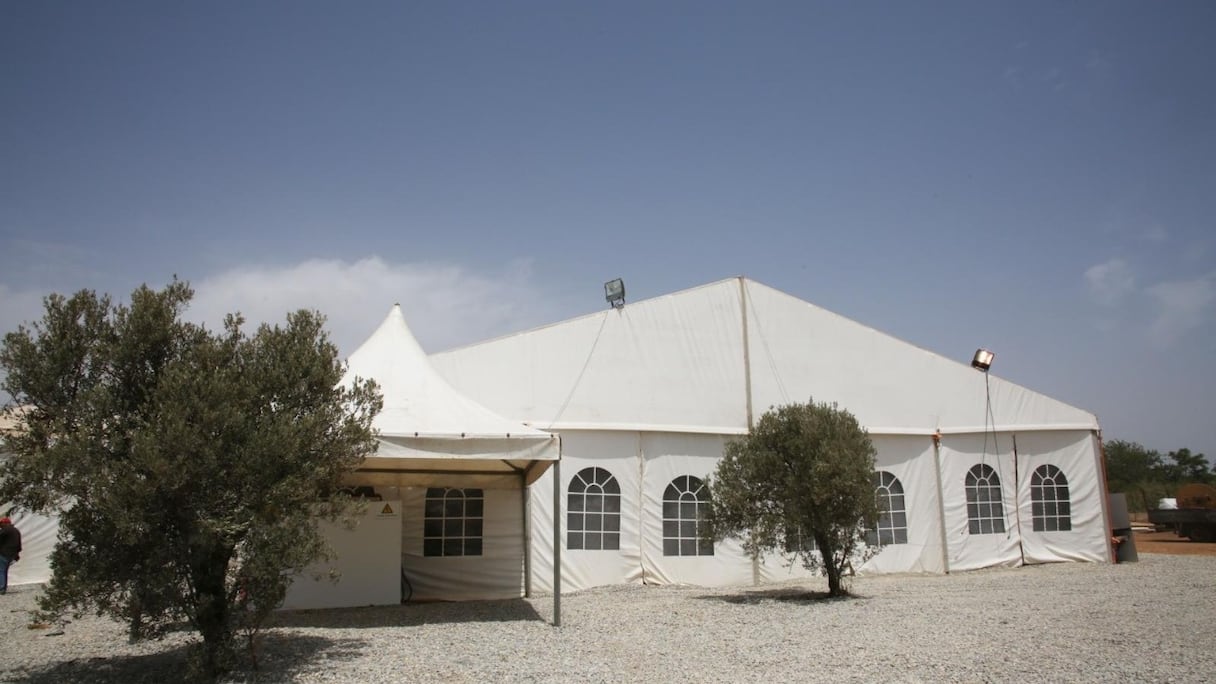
[
  {"x": 703, "y": 359},
  {"x": 429, "y": 432}
]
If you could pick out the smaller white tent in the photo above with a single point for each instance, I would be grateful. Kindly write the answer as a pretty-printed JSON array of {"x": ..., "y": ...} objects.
[{"x": 457, "y": 471}]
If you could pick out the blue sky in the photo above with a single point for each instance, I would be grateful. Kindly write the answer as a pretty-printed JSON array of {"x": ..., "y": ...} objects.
[{"x": 1035, "y": 178}]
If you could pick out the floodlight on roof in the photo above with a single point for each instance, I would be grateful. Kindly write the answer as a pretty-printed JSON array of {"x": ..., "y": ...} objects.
[
  {"x": 982, "y": 360},
  {"x": 614, "y": 293}
]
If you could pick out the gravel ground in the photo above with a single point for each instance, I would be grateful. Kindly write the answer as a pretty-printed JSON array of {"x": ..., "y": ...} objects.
[{"x": 1150, "y": 621}]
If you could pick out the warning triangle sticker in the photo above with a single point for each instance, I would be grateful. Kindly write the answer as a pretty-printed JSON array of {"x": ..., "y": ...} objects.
[{"x": 387, "y": 510}]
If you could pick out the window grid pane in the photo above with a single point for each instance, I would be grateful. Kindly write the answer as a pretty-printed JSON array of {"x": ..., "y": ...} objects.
[
  {"x": 892, "y": 525},
  {"x": 685, "y": 505},
  {"x": 985, "y": 508},
  {"x": 452, "y": 522},
  {"x": 593, "y": 511},
  {"x": 1050, "y": 504}
]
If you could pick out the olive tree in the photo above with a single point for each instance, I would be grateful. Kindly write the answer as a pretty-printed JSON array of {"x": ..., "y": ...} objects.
[
  {"x": 187, "y": 466},
  {"x": 800, "y": 483}
]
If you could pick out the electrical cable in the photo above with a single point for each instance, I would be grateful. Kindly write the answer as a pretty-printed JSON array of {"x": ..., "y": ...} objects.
[
  {"x": 990, "y": 420},
  {"x": 407, "y": 589},
  {"x": 577, "y": 380}
]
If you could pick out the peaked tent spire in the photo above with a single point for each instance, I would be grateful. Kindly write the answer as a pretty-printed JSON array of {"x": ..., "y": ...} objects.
[{"x": 418, "y": 402}]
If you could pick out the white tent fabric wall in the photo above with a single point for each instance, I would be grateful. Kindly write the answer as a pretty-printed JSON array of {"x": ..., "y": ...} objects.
[
  {"x": 616, "y": 453},
  {"x": 704, "y": 361},
  {"x": 667, "y": 457},
  {"x": 997, "y": 542},
  {"x": 910, "y": 459},
  {"x": 1075, "y": 454}
]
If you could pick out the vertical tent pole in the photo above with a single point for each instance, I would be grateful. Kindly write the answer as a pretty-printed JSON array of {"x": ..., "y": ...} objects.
[
  {"x": 747, "y": 357},
  {"x": 1017, "y": 506},
  {"x": 525, "y": 505},
  {"x": 557, "y": 537},
  {"x": 941, "y": 501},
  {"x": 747, "y": 396},
  {"x": 1103, "y": 497}
]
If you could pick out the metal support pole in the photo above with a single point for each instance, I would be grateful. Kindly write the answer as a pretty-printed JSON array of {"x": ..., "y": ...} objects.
[
  {"x": 526, "y": 505},
  {"x": 557, "y": 540},
  {"x": 941, "y": 501}
]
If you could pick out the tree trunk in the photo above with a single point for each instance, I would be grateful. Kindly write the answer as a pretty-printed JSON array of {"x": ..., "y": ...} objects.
[
  {"x": 830, "y": 567},
  {"x": 211, "y": 606}
]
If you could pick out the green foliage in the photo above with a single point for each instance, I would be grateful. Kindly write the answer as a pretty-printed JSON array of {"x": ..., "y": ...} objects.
[
  {"x": 189, "y": 463},
  {"x": 804, "y": 470},
  {"x": 1145, "y": 477}
]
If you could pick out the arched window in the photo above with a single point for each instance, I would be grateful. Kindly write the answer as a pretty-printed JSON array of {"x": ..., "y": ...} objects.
[
  {"x": 593, "y": 511},
  {"x": 452, "y": 522},
  {"x": 985, "y": 512},
  {"x": 685, "y": 503},
  {"x": 1049, "y": 500},
  {"x": 892, "y": 527}
]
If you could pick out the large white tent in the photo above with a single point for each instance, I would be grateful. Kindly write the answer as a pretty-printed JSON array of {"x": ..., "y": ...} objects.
[
  {"x": 977, "y": 471},
  {"x": 449, "y": 473}
]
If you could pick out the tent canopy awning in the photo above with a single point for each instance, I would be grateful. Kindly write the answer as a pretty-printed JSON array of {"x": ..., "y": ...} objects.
[
  {"x": 487, "y": 462},
  {"x": 432, "y": 435}
]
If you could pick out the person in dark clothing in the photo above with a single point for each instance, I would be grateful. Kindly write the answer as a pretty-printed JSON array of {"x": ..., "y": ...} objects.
[{"x": 10, "y": 549}]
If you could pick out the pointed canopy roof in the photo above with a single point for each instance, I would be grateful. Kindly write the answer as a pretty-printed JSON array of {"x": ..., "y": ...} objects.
[{"x": 429, "y": 431}]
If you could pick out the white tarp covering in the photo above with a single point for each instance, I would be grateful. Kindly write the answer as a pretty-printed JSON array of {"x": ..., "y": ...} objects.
[{"x": 630, "y": 387}]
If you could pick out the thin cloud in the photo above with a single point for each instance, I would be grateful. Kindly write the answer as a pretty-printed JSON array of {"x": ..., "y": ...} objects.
[
  {"x": 445, "y": 304},
  {"x": 18, "y": 307},
  {"x": 1110, "y": 282},
  {"x": 1013, "y": 75},
  {"x": 1182, "y": 306},
  {"x": 1155, "y": 233}
]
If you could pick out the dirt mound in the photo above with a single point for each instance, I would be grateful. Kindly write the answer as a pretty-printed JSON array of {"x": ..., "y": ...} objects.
[{"x": 1168, "y": 542}]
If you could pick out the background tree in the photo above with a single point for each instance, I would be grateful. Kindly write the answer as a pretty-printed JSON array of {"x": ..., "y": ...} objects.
[
  {"x": 1183, "y": 467},
  {"x": 1135, "y": 471},
  {"x": 804, "y": 471},
  {"x": 1145, "y": 477},
  {"x": 188, "y": 464}
]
